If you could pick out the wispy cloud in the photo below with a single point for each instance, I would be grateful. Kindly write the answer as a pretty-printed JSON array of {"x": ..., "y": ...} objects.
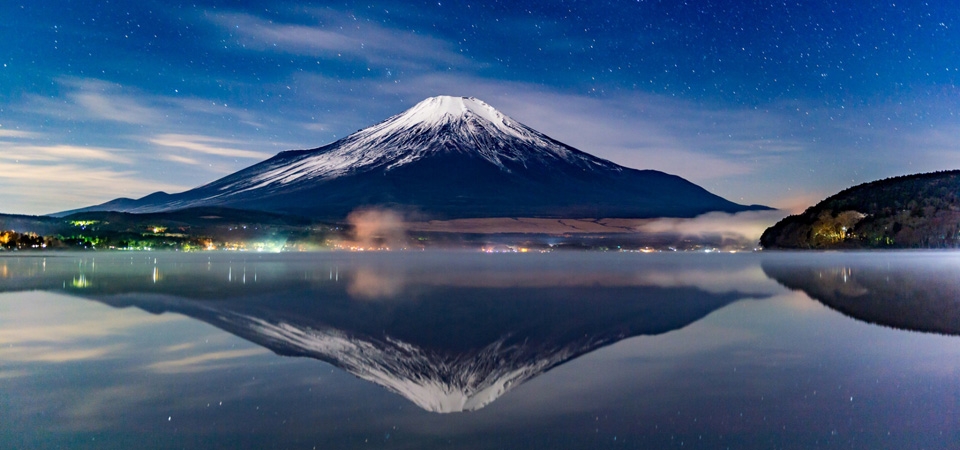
[
  {"x": 341, "y": 35},
  {"x": 48, "y": 327},
  {"x": 116, "y": 107},
  {"x": 207, "y": 145},
  {"x": 204, "y": 361},
  {"x": 88, "y": 99},
  {"x": 60, "y": 153},
  {"x": 45, "y": 188},
  {"x": 37, "y": 178},
  {"x": 140, "y": 139},
  {"x": 16, "y": 134},
  {"x": 103, "y": 407},
  {"x": 47, "y": 354},
  {"x": 11, "y": 374},
  {"x": 181, "y": 160}
]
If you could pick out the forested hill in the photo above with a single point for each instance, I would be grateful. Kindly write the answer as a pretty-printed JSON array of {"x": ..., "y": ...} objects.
[{"x": 913, "y": 211}]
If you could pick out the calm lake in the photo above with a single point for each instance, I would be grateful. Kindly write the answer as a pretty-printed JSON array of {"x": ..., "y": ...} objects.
[{"x": 480, "y": 351}]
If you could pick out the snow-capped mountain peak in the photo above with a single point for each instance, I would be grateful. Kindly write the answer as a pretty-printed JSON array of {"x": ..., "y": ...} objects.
[
  {"x": 445, "y": 157},
  {"x": 441, "y": 110},
  {"x": 437, "y": 125}
]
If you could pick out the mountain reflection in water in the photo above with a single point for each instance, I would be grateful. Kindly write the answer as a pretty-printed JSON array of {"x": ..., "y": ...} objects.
[
  {"x": 748, "y": 351},
  {"x": 450, "y": 332},
  {"x": 910, "y": 291}
]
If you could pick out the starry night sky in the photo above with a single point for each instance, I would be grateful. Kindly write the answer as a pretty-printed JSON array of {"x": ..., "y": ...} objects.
[{"x": 777, "y": 103}]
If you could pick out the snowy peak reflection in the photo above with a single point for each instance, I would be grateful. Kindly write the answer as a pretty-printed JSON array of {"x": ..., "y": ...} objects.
[
  {"x": 431, "y": 379},
  {"x": 451, "y": 348},
  {"x": 910, "y": 291},
  {"x": 450, "y": 332}
]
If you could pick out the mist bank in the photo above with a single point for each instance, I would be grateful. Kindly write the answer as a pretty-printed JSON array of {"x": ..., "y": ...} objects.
[{"x": 712, "y": 230}]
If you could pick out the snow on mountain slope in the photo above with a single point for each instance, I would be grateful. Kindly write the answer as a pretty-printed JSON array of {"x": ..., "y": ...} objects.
[
  {"x": 446, "y": 157},
  {"x": 437, "y": 124},
  {"x": 434, "y": 382}
]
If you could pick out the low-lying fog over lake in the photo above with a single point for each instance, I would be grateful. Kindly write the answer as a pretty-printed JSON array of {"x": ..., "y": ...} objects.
[{"x": 470, "y": 350}]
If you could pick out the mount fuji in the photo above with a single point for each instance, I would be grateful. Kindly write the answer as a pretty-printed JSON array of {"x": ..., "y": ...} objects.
[{"x": 444, "y": 158}]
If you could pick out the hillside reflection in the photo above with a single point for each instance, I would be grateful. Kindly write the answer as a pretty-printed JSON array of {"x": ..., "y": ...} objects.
[
  {"x": 910, "y": 291},
  {"x": 450, "y": 332}
]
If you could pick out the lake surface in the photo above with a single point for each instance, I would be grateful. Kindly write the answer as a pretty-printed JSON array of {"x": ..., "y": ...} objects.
[{"x": 469, "y": 350}]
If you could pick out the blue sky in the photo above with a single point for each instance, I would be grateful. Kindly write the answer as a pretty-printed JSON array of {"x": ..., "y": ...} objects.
[{"x": 777, "y": 103}]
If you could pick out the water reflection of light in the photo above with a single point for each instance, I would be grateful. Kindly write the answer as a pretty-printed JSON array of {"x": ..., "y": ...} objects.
[
  {"x": 372, "y": 284},
  {"x": 844, "y": 272},
  {"x": 205, "y": 361},
  {"x": 81, "y": 282},
  {"x": 156, "y": 274},
  {"x": 4, "y": 271}
]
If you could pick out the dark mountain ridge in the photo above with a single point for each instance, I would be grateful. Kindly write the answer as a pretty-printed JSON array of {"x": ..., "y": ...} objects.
[
  {"x": 911, "y": 211},
  {"x": 901, "y": 290}
]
